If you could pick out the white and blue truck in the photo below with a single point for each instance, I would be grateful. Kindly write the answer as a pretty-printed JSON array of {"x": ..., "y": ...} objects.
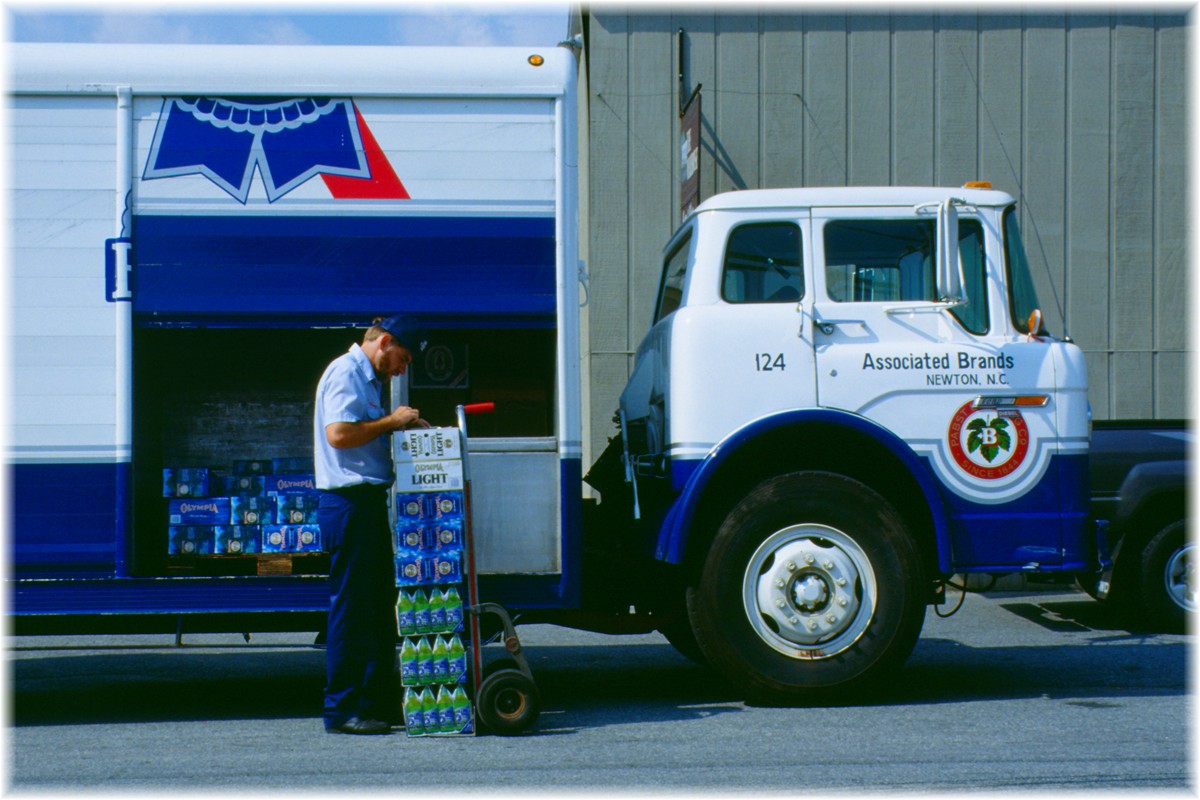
[{"x": 847, "y": 395}]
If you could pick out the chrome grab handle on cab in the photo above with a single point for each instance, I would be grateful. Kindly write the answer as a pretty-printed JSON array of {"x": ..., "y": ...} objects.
[
  {"x": 630, "y": 472},
  {"x": 828, "y": 326}
]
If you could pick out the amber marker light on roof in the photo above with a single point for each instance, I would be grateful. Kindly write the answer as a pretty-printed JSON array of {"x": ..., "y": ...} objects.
[
  {"x": 977, "y": 185},
  {"x": 536, "y": 60}
]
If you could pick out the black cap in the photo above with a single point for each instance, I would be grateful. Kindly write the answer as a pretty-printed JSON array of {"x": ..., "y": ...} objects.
[{"x": 407, "y": 331}]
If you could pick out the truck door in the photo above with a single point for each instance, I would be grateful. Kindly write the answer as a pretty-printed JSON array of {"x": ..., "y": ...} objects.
[
  {"x": 729, "y": 344},
  {"x": 963, "y": 388}
]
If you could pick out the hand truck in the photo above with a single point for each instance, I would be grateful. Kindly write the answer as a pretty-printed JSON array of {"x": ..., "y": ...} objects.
[{"x": 507, "y": 701}]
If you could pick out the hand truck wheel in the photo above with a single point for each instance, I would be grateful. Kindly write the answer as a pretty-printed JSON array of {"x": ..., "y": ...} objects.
[{"x": 508, "y": 702}]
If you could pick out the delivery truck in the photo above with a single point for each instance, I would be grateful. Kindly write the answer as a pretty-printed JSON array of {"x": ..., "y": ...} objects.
[{"x": 847, "y": 395}]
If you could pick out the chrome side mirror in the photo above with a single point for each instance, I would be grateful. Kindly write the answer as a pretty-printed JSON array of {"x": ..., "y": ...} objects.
[{"x": 949, "y": 267}]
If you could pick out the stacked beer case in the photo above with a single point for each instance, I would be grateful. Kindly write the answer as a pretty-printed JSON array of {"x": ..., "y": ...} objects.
[
  {"x": 253, "y": 507},
  {"x": 432, "y": 557}
]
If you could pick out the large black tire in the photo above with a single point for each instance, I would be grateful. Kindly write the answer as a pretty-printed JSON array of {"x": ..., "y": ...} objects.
[
  {"x": 1167, "y": 578},
  {"x": 812, "y": 588},
  {"x": 679, "y": 634}
]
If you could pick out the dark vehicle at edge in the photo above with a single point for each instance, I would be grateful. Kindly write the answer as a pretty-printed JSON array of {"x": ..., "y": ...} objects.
[{"x": 1139, "y": 475}]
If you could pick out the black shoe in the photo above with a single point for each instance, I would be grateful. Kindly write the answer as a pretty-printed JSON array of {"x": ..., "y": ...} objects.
[{"x": 361, "y": 727}]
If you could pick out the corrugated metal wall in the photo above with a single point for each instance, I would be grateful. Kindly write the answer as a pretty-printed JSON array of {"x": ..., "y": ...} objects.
[{"x": 1081, "y": 116}]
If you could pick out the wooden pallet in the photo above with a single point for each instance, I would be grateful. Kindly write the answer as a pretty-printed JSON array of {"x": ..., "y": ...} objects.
[{"x": 266, "y": 564}]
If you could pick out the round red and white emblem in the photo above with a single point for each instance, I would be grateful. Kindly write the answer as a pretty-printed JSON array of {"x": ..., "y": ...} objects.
[{"x": 988, "y": 443}]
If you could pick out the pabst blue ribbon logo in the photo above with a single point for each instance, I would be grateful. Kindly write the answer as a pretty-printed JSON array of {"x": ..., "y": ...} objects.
[
  {"x": 286, "y": 141},
  {"x": 988, "y": 443}
]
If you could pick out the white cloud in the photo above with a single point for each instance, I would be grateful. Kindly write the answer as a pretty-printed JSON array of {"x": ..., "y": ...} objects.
[
  {"x": 134, "y": 27},
  {"x": 441, "y": 27},
  {"x": 143, "y": 28},
  {"x": 278, "y": 31},
  {"x": 479, "y": 25},
  {"x": 539, "y": 24}
]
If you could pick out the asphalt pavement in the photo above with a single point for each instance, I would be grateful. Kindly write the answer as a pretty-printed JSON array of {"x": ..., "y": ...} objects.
[{"x": 1018, "y": 691}]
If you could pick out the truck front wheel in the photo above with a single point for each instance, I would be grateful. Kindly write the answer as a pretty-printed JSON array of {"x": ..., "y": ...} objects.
[{"x": 812, "y": 586}]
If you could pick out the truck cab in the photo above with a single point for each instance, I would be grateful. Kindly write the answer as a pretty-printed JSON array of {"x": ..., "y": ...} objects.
[{"x": 848, "y": 395}]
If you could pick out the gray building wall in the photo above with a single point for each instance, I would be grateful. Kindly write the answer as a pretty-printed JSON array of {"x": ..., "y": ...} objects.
[{"x": 1080, "y": 116}]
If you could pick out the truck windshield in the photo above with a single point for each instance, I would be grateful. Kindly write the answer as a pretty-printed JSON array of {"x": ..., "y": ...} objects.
[{"x": 1022, "y": 297}]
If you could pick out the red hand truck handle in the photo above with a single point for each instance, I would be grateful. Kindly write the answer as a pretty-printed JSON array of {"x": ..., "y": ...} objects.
[{"x": 479, "y": 408}]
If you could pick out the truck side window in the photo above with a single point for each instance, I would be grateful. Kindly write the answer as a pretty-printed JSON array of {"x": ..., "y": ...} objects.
[
  {"x": 889, "y": 260},
  {"x": 670, "y": 294},
  {"x": 762, "y": 264},
  {"x": 973, "y": 315},
  {"x": 1022, "y": 296},
  {"x": 879, "y": 260}
]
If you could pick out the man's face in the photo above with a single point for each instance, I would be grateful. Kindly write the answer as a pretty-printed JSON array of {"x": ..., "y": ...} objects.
[{"x": 394, "y": 358}]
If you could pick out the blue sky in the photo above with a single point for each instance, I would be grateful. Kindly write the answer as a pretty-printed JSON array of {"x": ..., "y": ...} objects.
[{"x": 533, "y": 22}]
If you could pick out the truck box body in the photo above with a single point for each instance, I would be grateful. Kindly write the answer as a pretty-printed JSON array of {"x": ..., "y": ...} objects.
[{"x": 198, "y": 231}]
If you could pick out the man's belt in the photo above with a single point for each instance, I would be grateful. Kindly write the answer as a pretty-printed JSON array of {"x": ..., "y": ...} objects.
[{"x": 360, "y": 490}]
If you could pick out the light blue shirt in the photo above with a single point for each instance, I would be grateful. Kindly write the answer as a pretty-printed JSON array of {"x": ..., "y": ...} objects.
[{"x": 350, "y": 392}]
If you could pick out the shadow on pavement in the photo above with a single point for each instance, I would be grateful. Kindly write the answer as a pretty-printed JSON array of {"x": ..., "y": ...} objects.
[
  {"x": 587, "y": 685},
  {"x": 163, "y": 685}
]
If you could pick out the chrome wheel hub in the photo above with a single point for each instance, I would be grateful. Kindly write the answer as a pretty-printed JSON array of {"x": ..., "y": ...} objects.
[
  {"x": 809, "y": 591},
  {"x": 1181, "y": 578}
]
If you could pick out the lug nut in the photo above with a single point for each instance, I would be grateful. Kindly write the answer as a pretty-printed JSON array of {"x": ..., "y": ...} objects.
[
  {"x": 840, "y": 581},
  {"x": 827, "y": 564},
  {"x": 791, "y": 566},
  {"x": 779, "y": 603},
  {"x": 809, "y": 558},
  {"x": 779, "y": 584}
]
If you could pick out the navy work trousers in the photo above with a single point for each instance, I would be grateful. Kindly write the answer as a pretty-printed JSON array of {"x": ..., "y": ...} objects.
[{"x": 360, "y": 648}]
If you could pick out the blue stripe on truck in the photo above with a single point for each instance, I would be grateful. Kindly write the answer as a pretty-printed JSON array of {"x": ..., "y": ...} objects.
[
  {"x": 66, "y": 525},
  {"x": 1049, "y": 526},
  {"x": 196, "y": 269},
  {"x": 64, "y": 519}
]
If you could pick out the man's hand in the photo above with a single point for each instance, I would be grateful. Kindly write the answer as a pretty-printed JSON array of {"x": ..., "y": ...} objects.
[
  {"x": 345, "y": 435},
  {"x": 403, "y": 416}
]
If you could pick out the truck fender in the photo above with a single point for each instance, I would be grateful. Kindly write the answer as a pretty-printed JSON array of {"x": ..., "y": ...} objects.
[
  {"x": 1144, "y": 485},
  {"x": 673, "y": 534}
]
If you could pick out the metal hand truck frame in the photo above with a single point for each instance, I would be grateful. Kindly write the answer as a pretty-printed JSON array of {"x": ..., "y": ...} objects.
[{"x": 507, "y": 700}]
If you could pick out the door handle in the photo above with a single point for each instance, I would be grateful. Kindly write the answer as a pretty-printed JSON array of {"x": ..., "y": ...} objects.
[{"x": 828, "y": 326}]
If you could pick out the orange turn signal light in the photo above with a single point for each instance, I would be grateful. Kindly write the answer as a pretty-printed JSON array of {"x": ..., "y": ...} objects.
[{"x": 1011, "y": 401}]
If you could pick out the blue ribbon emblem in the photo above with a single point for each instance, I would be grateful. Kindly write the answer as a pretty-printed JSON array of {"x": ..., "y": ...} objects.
[{"x": 287, "y": 141}]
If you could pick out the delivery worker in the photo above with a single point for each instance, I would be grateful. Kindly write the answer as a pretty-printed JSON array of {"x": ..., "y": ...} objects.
[{"x": 354, "y": 468}]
